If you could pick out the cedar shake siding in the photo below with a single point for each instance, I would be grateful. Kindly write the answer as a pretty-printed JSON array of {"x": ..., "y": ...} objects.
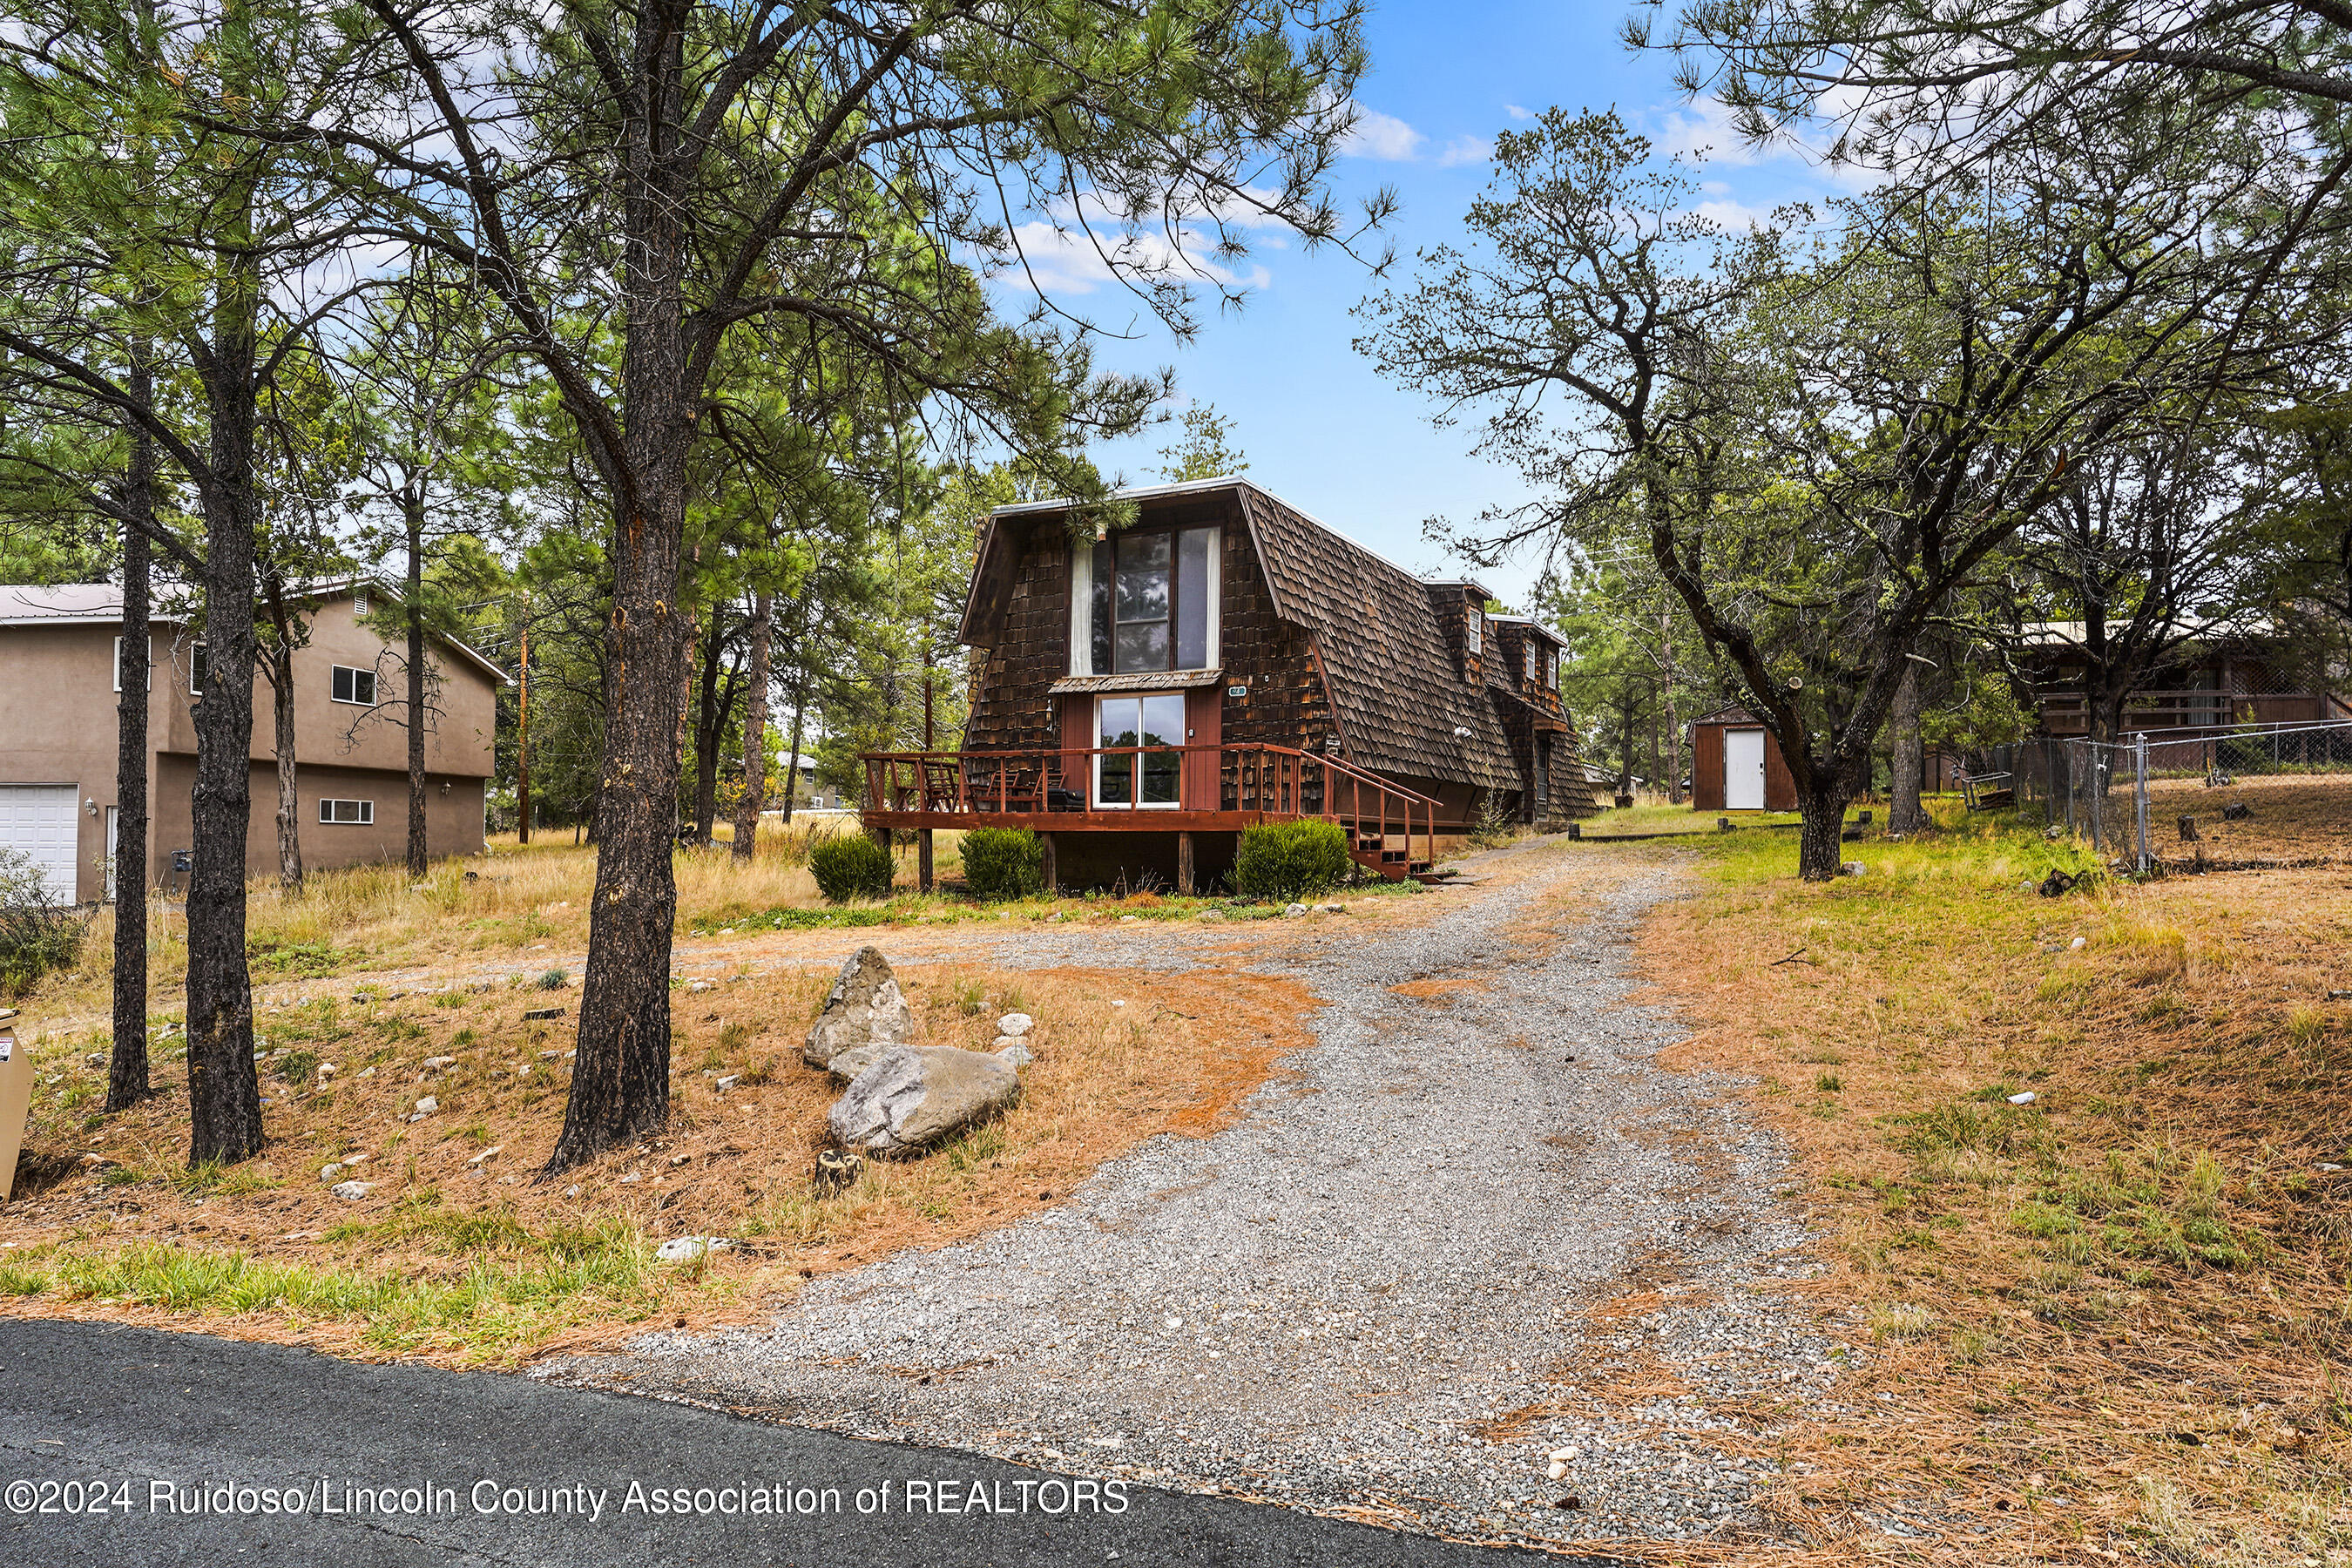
[{"x": 1334, "y": 652}]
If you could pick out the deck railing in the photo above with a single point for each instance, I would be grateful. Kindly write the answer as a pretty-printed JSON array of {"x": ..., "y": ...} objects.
[{"x": 1277, "y": 782}]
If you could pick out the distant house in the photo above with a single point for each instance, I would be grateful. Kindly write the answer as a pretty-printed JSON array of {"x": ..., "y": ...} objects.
[
  {"x": 2234, "y": 676},
  {"x": 59, "y": 660},
  {"x": 1143, "y": 696},
  {"x": 1736, "y": 766}
]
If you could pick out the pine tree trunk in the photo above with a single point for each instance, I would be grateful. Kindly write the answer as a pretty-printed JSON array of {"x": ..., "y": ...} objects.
[
  {"x": 711, "y": 725},
  {"x": 755, "y": 733},
  {"x": 793, "y": 764},
  {"x": 620, "y": 1080},
  {"x": 126, "y": 1074},
  {"x": 1905, "y": 814},
  {"x": 1819, "y": 838},
  {"x": 411, "y": 500},
  {"x": 224, "y": 1095},
  {"x": 290, "y": 802}
]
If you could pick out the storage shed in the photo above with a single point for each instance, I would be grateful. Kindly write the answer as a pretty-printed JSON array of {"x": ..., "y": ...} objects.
[{"x": 1736, "y": 766}]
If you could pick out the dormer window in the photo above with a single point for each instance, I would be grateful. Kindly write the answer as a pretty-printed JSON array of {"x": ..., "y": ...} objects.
[
  {"x": 1532, "y": 662},
  {"x": 1149, "y": 598}
]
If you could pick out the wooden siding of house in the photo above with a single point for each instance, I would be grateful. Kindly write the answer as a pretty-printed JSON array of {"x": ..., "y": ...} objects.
[
  {"x": 1013, "y": 707},
  {"x": 1706, "y": 768}
]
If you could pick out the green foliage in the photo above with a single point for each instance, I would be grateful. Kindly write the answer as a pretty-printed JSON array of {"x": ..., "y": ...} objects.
[
  {"x": 851, "y": 866},
  {"x": 36, "y": 936},
  {"x": 1004, "y": 862},
  {"x": 1290, "y": 859},
  {"x": 1204, "y": 453}
]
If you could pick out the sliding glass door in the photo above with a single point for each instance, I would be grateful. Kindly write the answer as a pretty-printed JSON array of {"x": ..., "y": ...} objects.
[{"x": 1154, "y": 779}]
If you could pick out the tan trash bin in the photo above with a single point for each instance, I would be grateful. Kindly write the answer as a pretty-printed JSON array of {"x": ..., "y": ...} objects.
[{"x": 16, "y": 1098}]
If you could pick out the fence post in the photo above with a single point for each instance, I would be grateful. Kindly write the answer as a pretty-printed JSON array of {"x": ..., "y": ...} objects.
[{"x": 2139, "y": 796}]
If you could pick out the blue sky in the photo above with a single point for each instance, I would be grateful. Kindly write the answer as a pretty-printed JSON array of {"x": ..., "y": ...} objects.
[{"x": 1318, "y": 427}]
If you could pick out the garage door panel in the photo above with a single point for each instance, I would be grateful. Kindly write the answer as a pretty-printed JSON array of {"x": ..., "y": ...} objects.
[{"x": 40, "y": 821}]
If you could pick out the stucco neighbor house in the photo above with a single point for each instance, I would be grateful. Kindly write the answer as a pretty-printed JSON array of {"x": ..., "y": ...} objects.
[{"x": 58, "y": 689}]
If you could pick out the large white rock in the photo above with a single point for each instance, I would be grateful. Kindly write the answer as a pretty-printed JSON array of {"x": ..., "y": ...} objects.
[
  {"x": 864, "y": 1008},
  {"x": 913, "y": 1097},
  {"x": 352, "y": 1192},
  {"x": 1016, "y": 1025}
]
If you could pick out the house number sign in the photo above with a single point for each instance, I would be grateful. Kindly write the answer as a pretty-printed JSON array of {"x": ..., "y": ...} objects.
[{"x": 1237, "y": 691}]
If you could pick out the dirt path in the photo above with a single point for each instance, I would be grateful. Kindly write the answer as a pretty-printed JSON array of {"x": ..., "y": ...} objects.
[{"x": 1388, "y": 1292}]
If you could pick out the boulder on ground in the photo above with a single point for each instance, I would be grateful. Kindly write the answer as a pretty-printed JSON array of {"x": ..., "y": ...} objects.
[
  {"x": 915, "y": 1095},
  {"x": 864, "y": 1008}
]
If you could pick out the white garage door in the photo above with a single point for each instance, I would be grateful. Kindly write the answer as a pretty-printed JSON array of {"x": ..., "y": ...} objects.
[{"x": 39, "y": 820}]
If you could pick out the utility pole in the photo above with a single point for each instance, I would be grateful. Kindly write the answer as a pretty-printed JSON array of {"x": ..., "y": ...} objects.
[{"x": 522, "y": 746}]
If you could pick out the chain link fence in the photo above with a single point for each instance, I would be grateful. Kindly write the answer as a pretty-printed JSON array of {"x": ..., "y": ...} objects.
[{"x": 2247, "y": 795}]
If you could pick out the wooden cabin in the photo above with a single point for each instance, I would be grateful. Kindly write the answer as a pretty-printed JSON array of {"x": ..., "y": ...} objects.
[{"x": 1141, "y": 696}]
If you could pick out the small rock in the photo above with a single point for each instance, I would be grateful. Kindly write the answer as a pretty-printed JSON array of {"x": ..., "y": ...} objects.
[
  {"x": 2054, "y": 833},
  {"x": 540, "y": 1014},
  {"x": 865, "y": 1008},
  {"x": 2078, "y": 944},
  {"x": 1116, "y": 1003},
  {"x": 630, "y": 1178},
  {"x": 680, "y": 1159},
  {"x": 1292, "y": 912},
  {"x": 352, "y": 1192},
  {"x": 573, "y": 1191},
  {"x": 353, "y": 1159},
  {"x": 428, "y": 1106},
  {"x": 328, "y": 1070},
  {"x": 685, "y": 1249},
  {"x": 1330, "y": 908},
  {"x": 1016, "y": 1025},
  {"x": 699, "y": 986},
  {"x": 728, "y": 1081},
  {"x": 2237, "y": 811},
  {"x": 366, "y": 1072},
  {"x": 1557, "y": 1470},
  {"x": 486, "y": 1154},
  {"x": 331, "y": 1172},
  {"x": 1853, "y": 868},
  {"x": 2025, "y": 1099},
  {"x": 440, "y": 1064},
  {"x": 2026, "y": 885},
  {"x": 1017, "y": 1052},
  {"x": 1563, "y": 1456}
]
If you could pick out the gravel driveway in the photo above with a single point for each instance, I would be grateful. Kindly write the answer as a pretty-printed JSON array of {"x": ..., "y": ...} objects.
[{"x": 1387, "y": 1290}]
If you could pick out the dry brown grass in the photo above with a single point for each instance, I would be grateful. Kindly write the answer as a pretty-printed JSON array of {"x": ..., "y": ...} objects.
[
  {"x": 1178, "y": 1055},
  {"x": 2113, "y": 1324},
  {"x": 2296, "y": 817}
]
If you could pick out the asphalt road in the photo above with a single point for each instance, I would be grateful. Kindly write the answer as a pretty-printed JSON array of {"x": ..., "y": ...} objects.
[{"x": 125, "y": 1448}]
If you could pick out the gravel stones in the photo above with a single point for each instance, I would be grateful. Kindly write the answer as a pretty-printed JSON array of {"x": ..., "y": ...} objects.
[
  {"x": 913, "y": 1097},
  {"x": 863, "y": 1009},
  {"x": 1377, "y": 1291}
]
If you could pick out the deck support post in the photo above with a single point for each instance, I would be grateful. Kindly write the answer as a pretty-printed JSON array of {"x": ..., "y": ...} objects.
[
  {"x": 1053, "y": 877},
  {"x": 923, "y": 859},
  {"x": 1184, "y": 864}
]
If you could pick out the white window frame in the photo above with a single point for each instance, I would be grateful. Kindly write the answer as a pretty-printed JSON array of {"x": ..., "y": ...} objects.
[
  {"x": 327, "y": 818},
  {"x": 118, "y": 668},
  {"x": 355, "y": 671},
  {"x": 1135, "y": 779},
  {"x": 360, "y": 603},
  {"x": 1082, "y": 601},
  {"x": 196, "y": 671}
]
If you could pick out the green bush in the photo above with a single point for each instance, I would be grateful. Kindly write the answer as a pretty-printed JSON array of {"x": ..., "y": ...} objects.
[
  {"x": 1003, "y": 862},
  {"x": 36, "y": 936},
  {"x": 1290, "y": 859},
  {"x": 851, "y": 866}
]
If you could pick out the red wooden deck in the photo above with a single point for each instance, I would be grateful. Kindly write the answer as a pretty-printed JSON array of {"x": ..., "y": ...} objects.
[{"x": 1153, "y": 789}]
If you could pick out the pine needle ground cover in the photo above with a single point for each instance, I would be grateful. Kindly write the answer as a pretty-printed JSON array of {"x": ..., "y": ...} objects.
[
  {"x": 2106, "y": 1324},
  {"x": 459, "y": 1254}
]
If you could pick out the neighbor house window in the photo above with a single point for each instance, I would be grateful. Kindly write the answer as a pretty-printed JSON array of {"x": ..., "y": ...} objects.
[
  {"x": 355, "y": 686},
  {"x": 362, "y": 812},
  {"x": 1531, "y": 659},
  {"x": 1551, "y": 669},
  {"x": 1152, "y": 602},
  {"x": 1152, "y": 778},
  {"x": 359, "y": 601},
  {"x": 196, "y": 671}
]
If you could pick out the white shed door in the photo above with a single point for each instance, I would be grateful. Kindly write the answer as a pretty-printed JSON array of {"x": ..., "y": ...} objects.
[
  {"x": 1743, "y": 770},
  {"x": 39, "y": 820}
]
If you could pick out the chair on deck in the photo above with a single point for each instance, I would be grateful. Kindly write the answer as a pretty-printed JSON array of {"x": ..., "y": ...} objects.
[{"x": 942, "y": 783}]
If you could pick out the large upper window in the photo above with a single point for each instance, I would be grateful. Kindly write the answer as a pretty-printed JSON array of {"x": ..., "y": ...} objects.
[{"x": 1153, "y": 601}]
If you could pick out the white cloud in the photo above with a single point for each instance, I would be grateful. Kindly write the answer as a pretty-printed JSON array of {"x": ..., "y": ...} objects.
[
  {"x": 1465, "y": 150},
  {"x": 1515, "y": 112},
  {"x": 1383, "y": 137}
]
